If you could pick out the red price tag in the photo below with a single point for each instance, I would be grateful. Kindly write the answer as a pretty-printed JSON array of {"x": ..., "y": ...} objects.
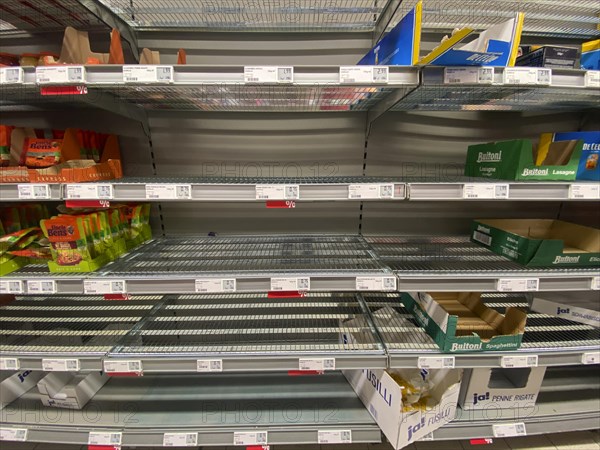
[
  {"x": 63, "y": 90},
  {"x": 125, "y": 374},
  {"x": 87, "y": 204},
  {"x": 281, "y": 204},
  {"x": 485, "y": 441},
  {"x": 103, "y": 447},
  {"x": 286, "y": 294},
  {"x": 117, "y": 297},
  {"x": 258, "y": 447},
  {"x": 299, "y": 373}
]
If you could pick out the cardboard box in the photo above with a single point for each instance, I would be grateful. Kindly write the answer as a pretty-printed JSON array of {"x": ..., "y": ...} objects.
[
  {"x": 15, "y": 384},
  {"x": 68, "y": 390},
  {"x": 589, "y": 164},
  {"x": 539, "y": 242},
  {"x": 549, "y": 56},
  {"x": 502, "y": 388},
  {"x": 382, "y": 396},
  {"x": 520, "y": 160},
  {"x": 590, "y": 55},
  {"x": 572, "y": 306},
  {"x": 460, "y": 322}
]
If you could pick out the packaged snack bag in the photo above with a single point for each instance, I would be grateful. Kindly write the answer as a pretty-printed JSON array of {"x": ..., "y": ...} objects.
[
  {"x": 41, "y": 153},
  {"x": 5, "y": 132},
  {"x": 67, "y": 236}
]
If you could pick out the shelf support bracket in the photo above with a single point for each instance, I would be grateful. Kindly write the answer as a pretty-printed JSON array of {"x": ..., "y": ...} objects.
[{"x": 385, "y": 18}]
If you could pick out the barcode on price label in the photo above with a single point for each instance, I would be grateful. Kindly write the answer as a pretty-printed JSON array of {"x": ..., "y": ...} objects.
[
  {"x": 168, "y": 191},
  {"x": 590, "y": 358},
  {"x": 589, "y": 191},
  {"x": 509, "y": 430},
  {"x": 277, "y": 191},
  {"x": 33, "y": 191},
  {"x": 11, "y": 75},
  {"x": 250, "y": 438},
  {"x": 104, "y": 287},
  {"x": 59, "y": 74},
  {"x": 13, "y": 434},
  {"x": 147, "y": 74},
  {"x": 215, "y": 285},
  {"x": 316, "y": 364},
  {"x": 433, "y": 362},
  {"x": 334, "y": 436},
  {"x": 290, "y": 284},
  {"x": 180, "y": 440},
  {"x": 468, "y": 75},
  {"x": 518, "y": 284},
  {"x": 209, "y": 365},
  {"x": 375, "y": 283},
  {"x": 370, "y": 191},
  {"x": 519, "y": 361},
  {"x": 41, "y": 287},
  {"x": 105, "y": 438},
  {"x": 592, "y": 78},
  {"x": 364, "y": 74},
  {"x": 89, "y": 191},
  {"x": 485, "y": 191},
  {"x": 268, "y": 74},
  {"x": 11, "y": 287},
  {"x": 115, "y": 366},
  {"x": 9, "y": 364},
  {"x": 60, "y": 365}
]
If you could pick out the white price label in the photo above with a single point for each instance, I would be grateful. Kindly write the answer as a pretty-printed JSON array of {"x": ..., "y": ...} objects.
[
  {"x": 41, "y": 287},
  {"x": 435, "y": 362},
  {"x": 60, "y": 365},
  {"x": 375, "y": 283},
  {"x": 468, "y": 75},
  {"x": 427, "y": 437},
  {"x": 317, "y": 364},
  {"x": 584, "y": 191},
  {"x": 595, "y": 284},
  {"x": 209, "y": 365},
  {"x": 33, "y": 191},
  {"x": 590, "y": 358},
  {"x": 111, "y": 439},
  {"x": 104, "y": 287},
  {"x": 168, "y": 191},
  {"x": 277, "y": 191},
  {"x": 592, "y": 78},
  {"x": 126, "y": 366},
  {"x": 334, "y": 436},
  {"x": 486, "y": 191},
  {"x": 268, "y": 74},
  {"x": 180, "y": 440},
  {"x": 9, "y": 364},
  {"x": 250, "y": 438},
  {"x": 364, "y": 74},
  {"x": 11, "y": 75},
  {"x": 527, "y": 76},
  {"x": 11, "y": 287},
  {"x": 509, "y": 430},
  {"x": 290, "y": 284},
  {"x": 518, "y": 284},
  {"x": 147, "y": 74},
  {"x": 89, "y": 191},
  {"x": 59, "y": 74},
  {"x": 13, "y": 434},
  {"x": 370, "y": 191},
  {"x": 519, "y": 361},
  {"x": 215, "y": 285}
]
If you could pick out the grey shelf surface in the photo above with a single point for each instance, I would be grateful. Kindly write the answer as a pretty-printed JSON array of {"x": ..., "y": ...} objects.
[{"x": 455, "y": 264}]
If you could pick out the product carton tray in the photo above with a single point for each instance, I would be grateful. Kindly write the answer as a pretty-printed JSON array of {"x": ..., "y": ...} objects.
[{"x": 78, "y": 171}]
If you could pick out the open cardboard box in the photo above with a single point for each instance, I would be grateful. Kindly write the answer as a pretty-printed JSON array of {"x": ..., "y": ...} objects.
[
  {"x": 581, "y": 307},
  {"x": 461, "y": 322},
  {"x": 14, "y": 385},
  {"x": 70, "y": 390},
  {"x": 539, "y": 242},
  {"x": 520, "y": 160}
]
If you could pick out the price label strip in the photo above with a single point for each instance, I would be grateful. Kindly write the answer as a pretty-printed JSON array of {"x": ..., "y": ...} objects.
[
  {"x": 590, "y": 358},
  {"x": 209, "y": 365},
  {"x": 269, "y": 74},
  {"x": 434, "y": 362},
  {"x": 59, "y": 74},
  {"x": 250, "y": 438},
  {"x": 89, "y": 191},
  {"x": 60, "y": 365},
  {"x": 33, "y": 191},
  {"x": 128, "y": 367},
  {"x": 370, "y": 191},
  {"x": 527, "y": 76},
  {"x": 11, "y": 287},
  {"x": 518, "y": 284},
  {"x": 290, "y": 284},
  {"x": 147, "y": 74},
  {"x": 9, "y": 364},
  {"x": 316, "y": 364},
  {"x": 180, "y": 440},
  {"x": 13, "y": 434},
  {"x": 468, "y": 75},
  {"x": 11, "y": 75},
  {"x": 216, "y": 285},
  {"x": 334, "y": 436},
  {"x": 41, "y": 287},
  {"x": 376, "y": 283},
  {"x": 486, "y": 191},
  {"x": 168, "y": 191},
  {"x": 112, "y": 439},
  {"x": 104, "y": 287},
  {"x": 509, "y": 430},
  {"x": 592, "y": 78},
  {"x": 590, "y": 191},
  {"x": 364, "y": 74},
  {"x": 277, "y": 191},
  {"x": 519, "y": 361}
]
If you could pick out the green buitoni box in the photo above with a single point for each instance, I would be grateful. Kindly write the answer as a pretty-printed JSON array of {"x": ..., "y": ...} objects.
[
  {"x": 539, "y": 242},
  {"x": 516, "y": 160},
  {"x": 461, "y": 322}
]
